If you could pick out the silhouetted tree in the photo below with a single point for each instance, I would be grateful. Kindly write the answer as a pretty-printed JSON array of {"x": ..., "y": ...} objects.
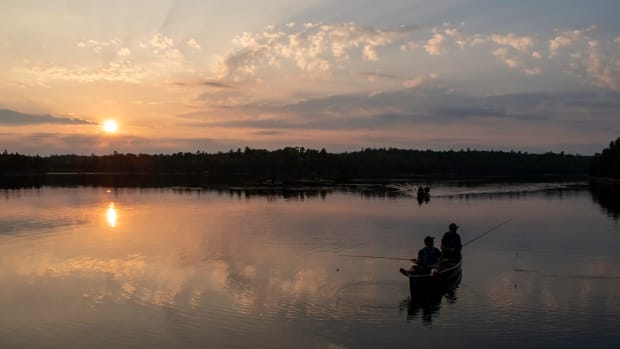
[{"x": 607, "y": 163}]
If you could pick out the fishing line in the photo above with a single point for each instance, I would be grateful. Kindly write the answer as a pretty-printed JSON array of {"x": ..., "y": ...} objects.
[{"x": 486, "y": 232}]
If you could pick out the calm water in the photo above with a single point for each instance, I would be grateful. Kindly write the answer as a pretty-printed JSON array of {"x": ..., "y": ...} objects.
[{"x": 169, "y": 268}]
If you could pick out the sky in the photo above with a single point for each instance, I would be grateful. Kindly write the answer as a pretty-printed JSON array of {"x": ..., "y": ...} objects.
[{"x": 344, "y": 75}]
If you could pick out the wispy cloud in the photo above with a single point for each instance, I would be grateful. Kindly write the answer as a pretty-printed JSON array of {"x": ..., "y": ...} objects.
[
  {"x": 568, "y": 38},
  {"x": 519, "y": 43},
  {"x": 405, "y": 108},
  {"x": 435, "y": 45},
  {"x": 63, "y": 143},
  {"x": 98, "y": 45},
  {"x": 419, "y": 80},
  {"x": 602, "y": 69},
  {"x": 502, "y": 54},
  {"x": 532, "y": 71},
  {"x": 311, "y": 48},
  {"x": 429, "y": 114},
  {"x": 164, "y": 46},
  {"x": 206, "y": 83},
  {"x": 15, "y": 118},
  {"x": 192, "y": 43},
  {"x": 593, "y": 61},
  {"x": 121, "y": 70}
]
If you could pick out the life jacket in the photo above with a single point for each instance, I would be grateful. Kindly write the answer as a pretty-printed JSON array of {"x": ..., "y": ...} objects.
[{"x": 428, "y": 256}]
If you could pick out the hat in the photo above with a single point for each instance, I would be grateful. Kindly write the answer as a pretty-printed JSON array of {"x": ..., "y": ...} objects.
[
  {"x": 428, "y": 238},
  {"x": 453, "y": 226}
]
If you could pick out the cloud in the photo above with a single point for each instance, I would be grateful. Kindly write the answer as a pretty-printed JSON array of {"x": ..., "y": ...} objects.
[
  {"x": 121, "y": 66},
  {"x": 14, "y": 118},
  {"x": 97, "y": 45},
  {"x": 603, "y": 70},
  {"x": 192, "y": 43},
  {"x": 416, "y": 116},
  {"x": 568, "y": 38},
  {"x": 311, "y": 48},
  {"x": 435, "y": 45},
  {"x": 164, "y": 46},
  {"x": 510, "y": 49},
  {"x": 478, "y": 40},
  {"x": 457, "y": 35},
  {"x": 410, "y": 46},
  {"x": 519, "y": 43},
  {"x": 121, "y": 70},
  {"x": 123, "y": 52},
  {"x": 502, "y": 54},
  {"x": 207, "y": 83},
  {"x": 418, "y": 81},
  {"x": 404, "y": 109},
  {"x": 62, "y": 143},
  {"x": 161, "y": 42},
  {"x": 532, "y": 71}
]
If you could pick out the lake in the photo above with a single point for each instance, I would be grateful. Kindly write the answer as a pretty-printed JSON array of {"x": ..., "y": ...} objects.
[{"x": 92, "y": 267}]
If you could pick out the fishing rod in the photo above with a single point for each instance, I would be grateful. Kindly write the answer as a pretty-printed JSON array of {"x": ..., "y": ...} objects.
[
  {"x": 408, "y": 259},
  {"x": 486, "y": 232},
  {"x": 375, "y": 257}
]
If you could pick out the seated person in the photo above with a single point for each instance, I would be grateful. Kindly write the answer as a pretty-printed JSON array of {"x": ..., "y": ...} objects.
[
  {"x": 428, "y": 257},
  {"x": 450, "y": 247}
]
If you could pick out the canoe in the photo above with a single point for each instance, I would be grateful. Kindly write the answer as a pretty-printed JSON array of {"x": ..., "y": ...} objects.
[{"x": 444, "y": 280}]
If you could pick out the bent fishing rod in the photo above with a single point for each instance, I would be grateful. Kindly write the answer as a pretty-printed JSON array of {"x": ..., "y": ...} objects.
[{"x": 408, "y": 259}]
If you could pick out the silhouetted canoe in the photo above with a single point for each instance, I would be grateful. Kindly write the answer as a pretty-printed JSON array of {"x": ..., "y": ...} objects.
[{"x": 441, "y": 282}]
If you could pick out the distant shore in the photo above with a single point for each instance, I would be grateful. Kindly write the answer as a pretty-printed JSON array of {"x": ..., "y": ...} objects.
[
  {"x": 293, "y": 164},
  {"x": 189, "y": 179}
]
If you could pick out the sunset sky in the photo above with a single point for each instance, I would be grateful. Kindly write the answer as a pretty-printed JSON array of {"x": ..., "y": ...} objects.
[{"x": 192, "y": 75}]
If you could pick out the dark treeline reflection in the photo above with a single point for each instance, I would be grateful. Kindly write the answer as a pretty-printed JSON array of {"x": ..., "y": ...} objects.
[
  {"x": 300, "y": 194},
  {"x": 298, "y": 162},
  {"x": 607, "y": 194},
  {"x": 195, "y": 184}
]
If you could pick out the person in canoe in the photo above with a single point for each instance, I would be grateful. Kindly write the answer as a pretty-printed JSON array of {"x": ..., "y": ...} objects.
[
  {"x": 427, "y": 260},
  {"x": 424, "y": 194},
  {"x": 450, "y": 247}
]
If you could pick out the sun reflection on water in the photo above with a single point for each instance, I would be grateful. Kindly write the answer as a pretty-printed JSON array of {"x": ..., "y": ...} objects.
[{"x": 111, "y": 215}]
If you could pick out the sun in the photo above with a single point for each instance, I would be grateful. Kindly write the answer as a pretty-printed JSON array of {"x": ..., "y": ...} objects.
[{"x": 110, "y": 126}]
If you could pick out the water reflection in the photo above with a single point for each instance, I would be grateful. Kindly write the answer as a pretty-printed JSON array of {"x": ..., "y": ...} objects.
[
  {"x": 428, "y": 303},
  {"x": 111, "y": 215},
  {"x": 428, "y": 306},
  {"x": 607, "y": 195},
  {"x": 207, "y": 269}
]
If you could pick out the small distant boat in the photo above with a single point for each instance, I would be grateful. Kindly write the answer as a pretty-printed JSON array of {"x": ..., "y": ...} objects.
[
  {"x": 421, "y": 284},
  {"x": 423, "y": 194}
]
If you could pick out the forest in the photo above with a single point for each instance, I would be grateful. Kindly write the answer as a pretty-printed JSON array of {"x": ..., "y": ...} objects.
[
  {"x": 301, "y": 163},
  {"x": 607, "y": 163}
]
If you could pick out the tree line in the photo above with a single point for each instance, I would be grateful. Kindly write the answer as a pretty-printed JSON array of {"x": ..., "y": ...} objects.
[
  {"x": 299, "y": 162},
  {"x": 607, "y": 163}
]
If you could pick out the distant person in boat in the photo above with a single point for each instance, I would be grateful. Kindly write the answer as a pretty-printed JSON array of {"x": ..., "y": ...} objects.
[
  {"x": 423, "y": 195},
  {"x": 420, "y": 191},
  {"x": 450, "y": 247},
  {"x": 428, "y": 257}
]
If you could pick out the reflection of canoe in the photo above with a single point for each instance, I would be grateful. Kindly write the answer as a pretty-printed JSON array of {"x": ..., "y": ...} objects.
[{"x": 442, "y": 281}]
